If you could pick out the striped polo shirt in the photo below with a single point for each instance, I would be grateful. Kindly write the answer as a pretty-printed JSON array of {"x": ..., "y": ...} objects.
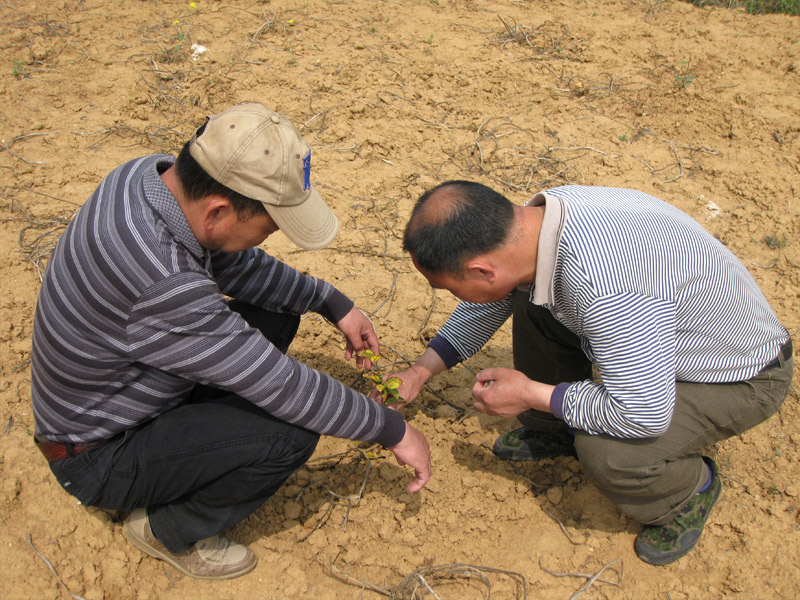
[
  {"x": 132, "y": 314},
  {"x": 653, "y": 297}
]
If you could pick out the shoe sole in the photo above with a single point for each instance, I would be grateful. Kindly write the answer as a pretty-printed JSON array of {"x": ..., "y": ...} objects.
[{"x": 145, "y": 547}]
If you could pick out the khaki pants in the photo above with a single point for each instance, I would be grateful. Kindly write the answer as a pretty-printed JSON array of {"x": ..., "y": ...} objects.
[{"x": 650, "y": 479}]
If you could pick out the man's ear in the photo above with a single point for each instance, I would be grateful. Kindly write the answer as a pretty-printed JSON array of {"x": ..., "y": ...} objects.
[
  {"x": 217, "y": 215},
  {"x": 481, "y": 268}
]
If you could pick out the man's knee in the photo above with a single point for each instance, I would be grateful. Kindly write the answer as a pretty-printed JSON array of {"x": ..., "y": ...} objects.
[
  {"x": 614, "y": 466},
  {"x": 307, "y": 440},
  {"x": 289, "y": 449}
]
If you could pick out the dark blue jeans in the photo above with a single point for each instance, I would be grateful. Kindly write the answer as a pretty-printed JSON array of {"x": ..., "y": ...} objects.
[{"x": 201, "y": 467}]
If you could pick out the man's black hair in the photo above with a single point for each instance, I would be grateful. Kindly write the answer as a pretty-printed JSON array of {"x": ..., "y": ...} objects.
[
  {"x": 474, "y": 221},
  {"x": 197, "y": 184}
]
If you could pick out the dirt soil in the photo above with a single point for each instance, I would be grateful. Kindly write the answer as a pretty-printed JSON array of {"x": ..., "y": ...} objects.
[{"x": 700, "y": 107}]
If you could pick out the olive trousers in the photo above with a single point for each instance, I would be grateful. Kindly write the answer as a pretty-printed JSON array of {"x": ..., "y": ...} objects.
[{"x": 648, "y": 479}]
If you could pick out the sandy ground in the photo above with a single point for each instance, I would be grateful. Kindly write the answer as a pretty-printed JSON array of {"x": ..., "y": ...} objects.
[{"x": 698, "y": 106}]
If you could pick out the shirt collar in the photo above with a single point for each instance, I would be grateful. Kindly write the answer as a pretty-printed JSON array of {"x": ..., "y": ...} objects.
[
  {"x": 165, "y": 204},
  {"x": 555, "y": 214}
]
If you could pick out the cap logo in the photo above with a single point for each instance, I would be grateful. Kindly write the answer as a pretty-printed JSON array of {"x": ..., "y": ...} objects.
[{"x": 307, "y": 171}]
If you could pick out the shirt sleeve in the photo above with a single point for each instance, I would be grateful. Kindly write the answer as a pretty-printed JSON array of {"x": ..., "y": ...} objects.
[
  {"x": 257, "y": 278},
  {"x": 183, "y": 326},
  {"x": 468, "y": 329},
  {"x": 632, "y": 339}
]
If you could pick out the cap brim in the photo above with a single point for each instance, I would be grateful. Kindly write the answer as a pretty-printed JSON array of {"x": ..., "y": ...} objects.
[{"x": 310, "y": 225}]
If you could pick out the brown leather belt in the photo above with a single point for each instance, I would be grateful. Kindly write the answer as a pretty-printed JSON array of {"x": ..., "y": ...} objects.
[
  {"x": 53, "y": 451},
  {"x": 785, "y": 352}
]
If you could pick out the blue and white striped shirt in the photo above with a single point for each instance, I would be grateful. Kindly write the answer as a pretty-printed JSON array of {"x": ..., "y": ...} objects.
[
  {"x": 132, "y": 315},
  {"x": 654, "y": 298}
]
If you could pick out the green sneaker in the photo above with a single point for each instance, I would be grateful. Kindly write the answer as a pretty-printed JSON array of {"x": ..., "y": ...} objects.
[
  {"x": 663, "y": 544},
  {"x": 527, "y": 444}
]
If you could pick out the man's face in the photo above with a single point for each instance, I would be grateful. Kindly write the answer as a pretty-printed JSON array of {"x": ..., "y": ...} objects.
[
  {"x": 473, "y": 286},
  {"x": 247, "y": 233}
]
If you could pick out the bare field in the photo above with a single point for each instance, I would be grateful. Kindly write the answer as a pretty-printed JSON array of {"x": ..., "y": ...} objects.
[{"x": 700, "y": 107}]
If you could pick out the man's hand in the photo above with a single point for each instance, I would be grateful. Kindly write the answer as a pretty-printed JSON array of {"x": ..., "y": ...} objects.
[
  {"x": 425, "y": 367},
  {"x": 413, "y": 450},
  {"x": 507, "y": 393},
  {"x": 360, "y": 335},
  {"x": 408, "y": 390}
]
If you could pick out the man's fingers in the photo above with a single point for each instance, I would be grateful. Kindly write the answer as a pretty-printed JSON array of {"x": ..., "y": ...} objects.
[{"x": 417, "y": 484}]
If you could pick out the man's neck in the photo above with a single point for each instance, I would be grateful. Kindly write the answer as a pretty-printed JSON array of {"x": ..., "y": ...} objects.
[
  {"x": 170, "y": 179},
  {"x": 524, "y": 248},
  {"x": 192, "y": 211}
]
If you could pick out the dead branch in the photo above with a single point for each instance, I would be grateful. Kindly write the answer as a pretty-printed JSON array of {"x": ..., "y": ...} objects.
[
  {"x": 38, "y": 250},
  {"x": 361, "y": 583},
  {"x": 505, "y": 153},
  {"x": 51, "y": 568},
  {"x": 427, "y": 314},
  {"x": 539, "y": 39},
  {"x": 680, "y": 164},
  {"x": 7, "y": 145},
  {"x": 561, "y": 525},
  {"x": 416, "y": 584},
  {"x": 591, "y": 578},
  {"x": 159, "y": 138},
  {"x": 678, "y": 161},
  {"x": 333, "y": 498}
]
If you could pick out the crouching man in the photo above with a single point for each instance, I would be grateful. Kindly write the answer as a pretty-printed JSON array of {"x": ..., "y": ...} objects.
[
  {"x": 688, "y": 350},
  {"x": 160, "y": 381}
]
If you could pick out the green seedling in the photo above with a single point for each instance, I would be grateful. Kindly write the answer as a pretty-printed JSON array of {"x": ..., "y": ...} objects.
[
  {"x": 684, "y": 78},
  {"x": 684, "y": 81},
  {"x": 18, "y": 69},
  {"x": 389, "y": 388},
  {"x": 774, "y": 242}
]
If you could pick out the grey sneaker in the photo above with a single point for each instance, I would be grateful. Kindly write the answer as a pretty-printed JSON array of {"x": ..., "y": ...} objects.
[
  {"x": 663, "y": 544},
  {"x": 527, "y": 444},
  {"x": 211, "y": 558}
]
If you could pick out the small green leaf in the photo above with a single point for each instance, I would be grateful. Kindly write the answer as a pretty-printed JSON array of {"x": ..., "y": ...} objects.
[{"x": 393, "y": 383}]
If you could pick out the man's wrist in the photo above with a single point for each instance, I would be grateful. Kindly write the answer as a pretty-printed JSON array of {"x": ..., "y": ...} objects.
[
  {"x": 393, "y": 431},
  {"x": 336, "y": 306}
]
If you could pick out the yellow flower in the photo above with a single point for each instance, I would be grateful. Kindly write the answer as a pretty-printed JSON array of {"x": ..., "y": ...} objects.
[
  {"x": 291, "y": 21},
  {"x": 192, "y": 4},
  {"x": 175, "y": 22}
]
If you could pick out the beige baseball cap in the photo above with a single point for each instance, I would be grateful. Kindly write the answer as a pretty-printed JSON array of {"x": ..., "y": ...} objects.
[{"x": 258, "y": 153}]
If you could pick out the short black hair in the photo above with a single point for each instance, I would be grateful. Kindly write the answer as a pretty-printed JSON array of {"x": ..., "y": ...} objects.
[
  {"x": 474, "y": 220},
  {"x": 197, "y": 184}
]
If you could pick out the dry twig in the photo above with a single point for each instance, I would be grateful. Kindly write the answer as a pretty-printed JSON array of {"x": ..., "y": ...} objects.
[
  {"x": 52, "y": 568},
  {"x": 543, "y": 42},
  {"x": 419, "y": 583},
  {"x": 38, "y": 250},
  {"x": 693, "y": 150},
  {"x": 504, "y": 152},
  {"x": 590, "y": 577},
  {"x": 333, "y": 498},
  {"x": 561, "y": 525}
]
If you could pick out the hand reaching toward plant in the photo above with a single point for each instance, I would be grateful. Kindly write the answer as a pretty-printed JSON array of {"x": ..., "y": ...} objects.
[
  {"x": 407, "y": 388},
  {"x": 413, "y": 451},
  {"x": 360, "y": 335},
  {"x": 412, "y": 379}
]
